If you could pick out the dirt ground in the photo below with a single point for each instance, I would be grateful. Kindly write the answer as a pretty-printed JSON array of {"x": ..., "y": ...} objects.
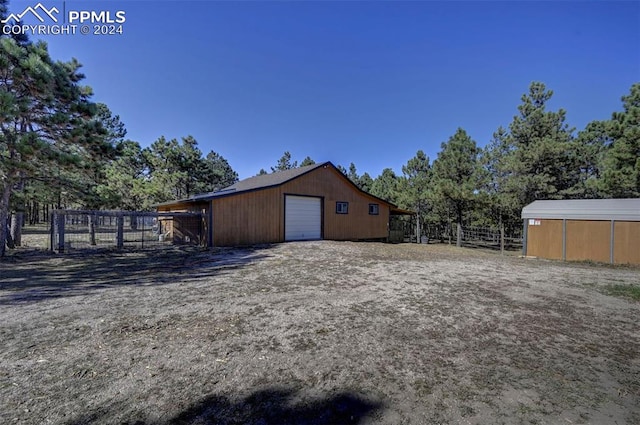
[{"x": 316, "y": 333}]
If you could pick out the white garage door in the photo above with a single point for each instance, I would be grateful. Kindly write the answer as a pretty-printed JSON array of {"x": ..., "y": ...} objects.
[{"x": 302, "y": 218}]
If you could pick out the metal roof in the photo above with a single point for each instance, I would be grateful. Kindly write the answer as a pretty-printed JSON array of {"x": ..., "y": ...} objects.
[
  {"x": 585, "y": 209},
  {"x": 271, "y": 180},
  {"x": 268, "y": 180}
]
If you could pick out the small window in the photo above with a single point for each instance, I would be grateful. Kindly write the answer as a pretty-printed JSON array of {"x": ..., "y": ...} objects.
[
  {"x": 374, "y": 209},
  {"x": 342, "y": 208}
]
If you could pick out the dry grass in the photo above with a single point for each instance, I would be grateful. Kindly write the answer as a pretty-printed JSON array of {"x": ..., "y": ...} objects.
[{"x": 316, "y": 333}]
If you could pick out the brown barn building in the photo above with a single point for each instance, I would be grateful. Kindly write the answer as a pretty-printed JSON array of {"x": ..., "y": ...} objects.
[
  {"x": 306, "y": 203},
  {"x": 602, "y": 230}
]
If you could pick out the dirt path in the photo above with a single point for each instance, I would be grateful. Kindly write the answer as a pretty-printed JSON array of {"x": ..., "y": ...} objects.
[{"x": 316, "y": 333}]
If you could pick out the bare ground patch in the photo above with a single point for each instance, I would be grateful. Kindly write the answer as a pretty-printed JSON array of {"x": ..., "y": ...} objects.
[{"x": 316, "y": 333}]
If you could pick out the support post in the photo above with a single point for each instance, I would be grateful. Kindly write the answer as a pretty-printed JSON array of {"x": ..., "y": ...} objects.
[
  {"x": 612, "y": 241},
  {"x": 52, "y": 232},
  {"x": 120, "y": 232},
  {"x": 525, "y": 234},
  {"x": 210, "y": 227},
  {"x": 60, "y": 218},
  {"x": 92, "y": 229},
  {"x": 564, "y": 239}
]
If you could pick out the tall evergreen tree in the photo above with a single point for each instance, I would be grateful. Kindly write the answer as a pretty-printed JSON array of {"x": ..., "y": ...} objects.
[
  {"x": 125, "y": 183},
  {"x": 498, "y": 204},
  {"x": 539, "y": 163},
  {"x": 587, "y": 154},
  {"x": 307, "y": 161},
  {"x": 385, "y": 186},
  {"x": 177, "y": 170},
  {"x": 416, "y": 185},
  {"x": 46, "y": 121},
  {"x": 365, "y": 182},
  {"x": 621, "y": 164},
  {"x": 457, "y": 175},
  {"x": 284, "y": 163},
  {"x": 218, "y": 173}
]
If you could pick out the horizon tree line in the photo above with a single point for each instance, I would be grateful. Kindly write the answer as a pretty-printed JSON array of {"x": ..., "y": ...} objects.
[{"x": 59, "y": 149}]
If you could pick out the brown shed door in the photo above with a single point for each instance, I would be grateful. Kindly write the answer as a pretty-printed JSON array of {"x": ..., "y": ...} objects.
[{"x": 302, "y": 218}]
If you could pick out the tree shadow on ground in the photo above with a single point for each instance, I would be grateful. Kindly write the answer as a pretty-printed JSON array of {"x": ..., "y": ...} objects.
[
  {"x": 271, "y": 406},
  {"x": 35, "y": 278}
]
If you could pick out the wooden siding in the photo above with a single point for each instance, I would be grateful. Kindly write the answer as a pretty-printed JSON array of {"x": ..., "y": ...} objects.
[
  {"x": 328, "y": 183},
  {"x": 545, "y": 240},
  {"x": 186, "y": 230},
  {"x": 258, "y": 216},
  {"x": 588, "y": 240},
  {"x": 626, "y": 242},
  {"x": 248, "y": 218}
]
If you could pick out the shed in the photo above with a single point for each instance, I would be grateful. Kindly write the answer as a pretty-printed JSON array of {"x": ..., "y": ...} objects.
[
  {"x": 602, "y": 230},
  {"x": 307, "y": 203}
]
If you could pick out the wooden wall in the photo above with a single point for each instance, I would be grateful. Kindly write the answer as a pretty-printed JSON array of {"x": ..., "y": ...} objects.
[
  {"x": 330, "y": 184},
  {"x": 186, "y": 230},
  {"x": 258, "y": 216},
  {"x": 545, "y": 240},
  {"x": 626, "y": 243},
  {"x": 588, "y": 240},
  {"x": 248, "y": 218}
]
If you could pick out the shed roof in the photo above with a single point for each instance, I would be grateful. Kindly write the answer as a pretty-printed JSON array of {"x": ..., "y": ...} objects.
[{"x": 585, "y": 209}]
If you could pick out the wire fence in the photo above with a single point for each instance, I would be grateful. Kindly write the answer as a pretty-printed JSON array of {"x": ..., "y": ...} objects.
[
  {"x": 75, "y": 229},
  {"x": 471, "y": 236}
]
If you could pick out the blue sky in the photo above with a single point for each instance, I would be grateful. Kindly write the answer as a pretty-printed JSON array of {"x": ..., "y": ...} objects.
[{"x": 363, "y": 82}]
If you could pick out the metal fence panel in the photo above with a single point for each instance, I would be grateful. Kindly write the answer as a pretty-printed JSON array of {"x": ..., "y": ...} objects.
[{"x": 79, "y": 229}]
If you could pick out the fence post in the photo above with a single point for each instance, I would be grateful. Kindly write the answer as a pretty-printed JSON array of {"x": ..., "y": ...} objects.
[
  {"x": 61, "y": 218},
  {"x": 501, "y": 238},
  {"x": 120, "y": 231},
  {"x": 52, "y": 232},
  {"x": 92, "y": 229}
]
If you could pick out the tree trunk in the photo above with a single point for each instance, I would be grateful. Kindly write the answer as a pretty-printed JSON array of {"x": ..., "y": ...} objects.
[
  {"x": 16, "y": 228},
  {"x": 459, "y": 236},
  {"x": 17, "y": 219},
  {"x": 133, "y": 221},
  {"x": 4, "y": 215}
]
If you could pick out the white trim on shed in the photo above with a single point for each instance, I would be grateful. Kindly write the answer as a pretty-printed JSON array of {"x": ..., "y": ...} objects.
[{"x": 584, "y": 209}]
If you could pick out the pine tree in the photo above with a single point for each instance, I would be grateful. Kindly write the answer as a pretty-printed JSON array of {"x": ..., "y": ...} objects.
[
  {"x": 456, "y": 176},
  {"x": 386, "y": 186},
  {"x": 307, "y": 161},
  {"x": 218, "y": 173},
  {"x": 416, "y": 185},
  {"x": 621, "y": 164},
  {"x": 539, "y": 162},
  {"x": 284, "y": 163},
  {"x": 48, "y": 130}
]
